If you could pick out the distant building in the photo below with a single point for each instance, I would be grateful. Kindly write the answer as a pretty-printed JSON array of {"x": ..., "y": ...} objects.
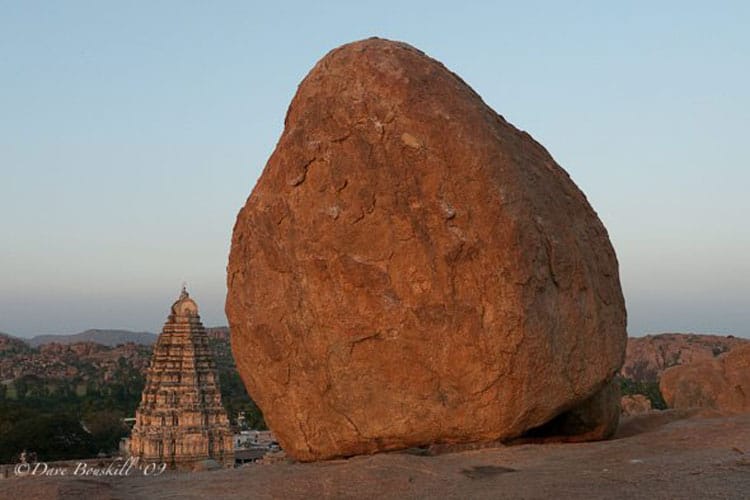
[
  {"x": 181, "y": 420},
  {"x": 255, "y": 446},
  {"x": 255, "y": 439}
]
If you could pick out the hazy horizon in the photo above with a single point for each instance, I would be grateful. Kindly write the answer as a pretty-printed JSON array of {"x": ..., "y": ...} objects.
[
  {"x": 156, "y": 332},
  {"x": 132, "y": 133}
]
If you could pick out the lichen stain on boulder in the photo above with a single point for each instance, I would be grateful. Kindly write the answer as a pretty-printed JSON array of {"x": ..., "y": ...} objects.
[{"x": 411, "y": 269}]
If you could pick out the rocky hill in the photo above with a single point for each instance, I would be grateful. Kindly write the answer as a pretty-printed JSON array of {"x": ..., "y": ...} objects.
[
  {"x": 59, "y": 364},
  {"x": 91, "y": 356},
  {"x": 10, "y": 345},
  {"x": 104, "y": 337},
  {"x": 647, "y": 357}
]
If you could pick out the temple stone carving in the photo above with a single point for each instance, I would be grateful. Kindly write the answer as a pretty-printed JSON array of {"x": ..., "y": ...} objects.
[{"x": 181, "y": 420}]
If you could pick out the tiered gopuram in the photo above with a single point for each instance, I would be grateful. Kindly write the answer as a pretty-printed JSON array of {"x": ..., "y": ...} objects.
[{"x": 180, "y": 420}]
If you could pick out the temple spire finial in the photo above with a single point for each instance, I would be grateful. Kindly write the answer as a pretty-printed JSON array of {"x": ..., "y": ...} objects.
[{"x": 184, "y": 293}]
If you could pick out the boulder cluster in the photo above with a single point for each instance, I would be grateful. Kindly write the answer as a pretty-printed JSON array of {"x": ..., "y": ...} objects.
[{"x": 722, "y": 383}]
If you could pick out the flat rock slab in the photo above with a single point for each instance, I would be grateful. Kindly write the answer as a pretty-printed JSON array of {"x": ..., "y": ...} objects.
[{"x": 660, "y": 455}]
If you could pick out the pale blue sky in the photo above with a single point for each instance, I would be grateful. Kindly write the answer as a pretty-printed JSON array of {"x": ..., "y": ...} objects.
[{"x": 132, "y": 132}]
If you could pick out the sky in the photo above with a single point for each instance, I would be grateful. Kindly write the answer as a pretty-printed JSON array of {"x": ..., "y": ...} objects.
[{"x": 131, "y": 133}]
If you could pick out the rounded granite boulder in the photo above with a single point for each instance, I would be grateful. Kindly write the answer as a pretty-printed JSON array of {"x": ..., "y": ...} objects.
[{"x": 411, "y": 269}]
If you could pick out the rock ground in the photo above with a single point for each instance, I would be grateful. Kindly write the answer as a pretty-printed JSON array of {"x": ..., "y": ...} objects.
[{"x": 669, "y": 454}]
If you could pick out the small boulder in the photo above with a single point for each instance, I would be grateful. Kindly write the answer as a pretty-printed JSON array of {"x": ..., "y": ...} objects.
[{"x": 635, "y": 404}]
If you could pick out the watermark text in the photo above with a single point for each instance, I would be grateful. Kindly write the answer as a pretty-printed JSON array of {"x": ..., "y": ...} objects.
[{"x": 117, "y": 468}]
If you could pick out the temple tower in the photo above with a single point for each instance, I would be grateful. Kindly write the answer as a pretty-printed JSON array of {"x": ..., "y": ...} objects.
[{"x": 181, "y": 420}]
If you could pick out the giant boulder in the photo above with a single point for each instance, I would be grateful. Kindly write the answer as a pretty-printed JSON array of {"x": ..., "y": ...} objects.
[{"x": 411, "y": 269}]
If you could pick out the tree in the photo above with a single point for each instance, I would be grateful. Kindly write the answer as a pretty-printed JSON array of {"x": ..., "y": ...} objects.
[
  {"x": 51, "y": 437},
  {"x": 106, "y": 428}
]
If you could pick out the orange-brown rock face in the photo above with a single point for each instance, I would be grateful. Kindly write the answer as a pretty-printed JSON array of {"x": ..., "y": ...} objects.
[
  {"x": 722, "y": 384},
  {"x": 647, "y": 357},
  {"x": 412, "y": 269}
]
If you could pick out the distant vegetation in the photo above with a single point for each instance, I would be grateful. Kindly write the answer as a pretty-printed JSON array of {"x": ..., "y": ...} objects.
[
  {"x": 75, "y": 409},
  {"x": 62, "y": 419},
  {"x": 233, "y": 392},
  {"x": 648, "y": 388}
]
